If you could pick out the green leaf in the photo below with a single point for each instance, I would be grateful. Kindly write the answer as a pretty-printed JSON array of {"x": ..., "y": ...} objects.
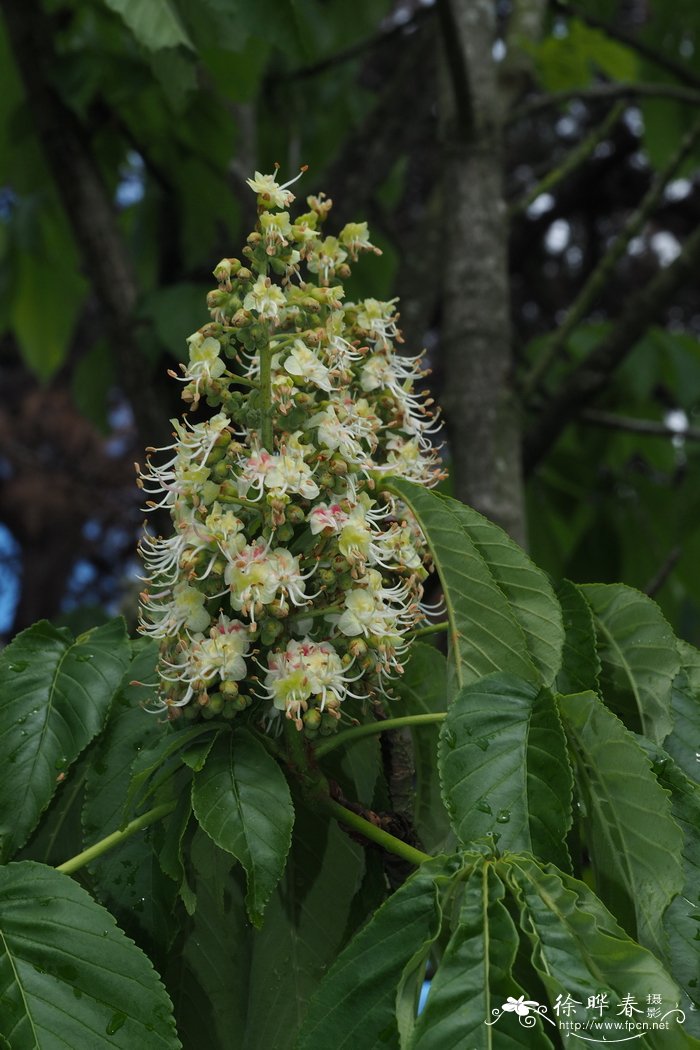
[
  {"x": 55, "y": 692},
  {"x": 526, "y": 588},
  {"x": 504, "y": 767},
  {"x": 242, "y": 801},
  {"x": 639, "y": 659},
  {"x": 155, "y": 24},
  {"x": 355, "y": 1003},
  {"x": 208, "y": 975},
  {"x": 579, "y": 950},
  {"x": 483, "y": 632},
  {"x": 683, "y": 742},
  {"x": 93, "y": 377},
  {"x": 68, "y": 976},
  {"x": 474, "y": 977},
  {"x": 580, "y": 662},
  {"x": 162, "y": 755},
  {"x": 682, "y": 917},
  {"x": 305, "y": 928},
  {"x": 423, "y": 690},
  {"x": 633, "y": 842}
]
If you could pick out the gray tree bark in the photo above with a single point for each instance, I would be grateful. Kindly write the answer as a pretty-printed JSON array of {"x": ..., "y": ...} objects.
[{"x": 479, "y": 402}]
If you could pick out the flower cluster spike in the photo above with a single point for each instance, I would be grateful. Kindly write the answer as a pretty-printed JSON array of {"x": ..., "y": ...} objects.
[{"x": 291, "y": 579}]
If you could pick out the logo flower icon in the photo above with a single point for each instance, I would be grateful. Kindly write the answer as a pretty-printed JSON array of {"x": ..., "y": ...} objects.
[{"x": 521, "y": 1006}]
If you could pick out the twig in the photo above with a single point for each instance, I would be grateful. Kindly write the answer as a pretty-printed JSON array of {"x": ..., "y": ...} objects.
[
  {"x": 372, "y": 728},
  {"x": 680, "y": 72},
  {"x": 573, "y": 160},
  {"x": 659, "y": 579},
  {"x": 586, "y": 381},
  {"x": 374, "y": 834},
  {"x": 603, "y": 93},
  {"x": 117, "y": 837},
  {"x": 648, "y": 427},
  {"x": 597, "y": 280}
]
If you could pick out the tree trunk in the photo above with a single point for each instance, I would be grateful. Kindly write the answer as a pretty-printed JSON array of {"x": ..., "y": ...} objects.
[{"x": 479, "y": 402}]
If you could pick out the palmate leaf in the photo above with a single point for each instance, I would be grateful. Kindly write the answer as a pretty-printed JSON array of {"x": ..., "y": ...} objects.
[
  {"x": 579, "y": 950},
  {"x": 504, "y": 767},
  {"x": 68, "y": 976},
  {"x": 638, "y": 654},
  {"x": 155, "y": 25},
  {"x": 484, "y": 634},
  {"x": 242, "y": 801},
  {"x": 423, "y": 690},
  {"x": 526, "y": 588},
  {"x": 355, "y": 1005},
  {"x": 633, "y": 842},
  {"x": 55, "y": 693},
  {"x": 683, "y": 742},
  {"x": 580, "y": 660},
  {"x": 474, "y": 977}
]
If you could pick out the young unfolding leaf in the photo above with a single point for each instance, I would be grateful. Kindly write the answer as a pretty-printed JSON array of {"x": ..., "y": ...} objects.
[
  {"x": 526, "y": 588},
  {"x": 474, "y": 977},
  {"x": 579, "y": 950},
  {"x": 355, "y": 1003},
  {"x": 638, "y": 654},
  {"x": 68, "y": 976},
  {"x": 633, "y": 841},
  {"x": 55, "y": 693},
  {"x": 484, "y": 633},
  {"x": 504, "y": 767},
  {"x": 242, "y": 801},
  {"x": 683, "y": 742},
  {"x": 580, "y": 661}
]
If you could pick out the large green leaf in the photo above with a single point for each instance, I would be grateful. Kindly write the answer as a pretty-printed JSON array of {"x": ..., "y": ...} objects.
[
  {"x": 526, "y": 588},
  {"x": 242, "y": 801},
  {"x": 208, "y": 975},
  {"x": 305, "y": 928},
  {"x": 638, "y": 654},
  {"x": 55, "y": 693},
  {"x": 580, "y": 660},
  {"x": 155, "y": 24},
  {"x": 423, "y": 690},
  {"x": 68, "y": 976},
  {"x": 484, "y": 633},
  {"x": 579, "y": 950},
  {"x": 633, "y": 842},
  {"x": 682, "y": 917},
  {"x": 504, "y": 767},
  {"x": 683, "y": 743},
  {"x": 474, "y": 978},
  {"x": 355, "y": 1003}
]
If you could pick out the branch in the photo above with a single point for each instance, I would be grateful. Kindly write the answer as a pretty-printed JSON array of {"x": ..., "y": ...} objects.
[
  {"x": 598, "y": 279},
  {"x": 603, "y": 93},
  {"x": 574, "y": 159},
  {"x": 659, "y": 578},
  {"x": 680, "y": 72},
  {"x": 591, "y": 376},
  {"x": 86, "y": 200},
  {"x": 648, "y": 427}
]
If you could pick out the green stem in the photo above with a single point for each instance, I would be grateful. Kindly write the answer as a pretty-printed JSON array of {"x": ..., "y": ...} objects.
[
  {"x": 110, "y": 841},
  {"x": 242, "y": 381},
  {"x": 266, "y": 433},
  {"x": 370, "y": 831},
  {"x": 433, "y": 628},
  {"x": 305, "y": 614},
  {"x": 371, "y": 728}
]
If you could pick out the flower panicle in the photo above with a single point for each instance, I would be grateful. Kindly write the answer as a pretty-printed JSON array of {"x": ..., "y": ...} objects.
[{"x": 290, "y": 580}]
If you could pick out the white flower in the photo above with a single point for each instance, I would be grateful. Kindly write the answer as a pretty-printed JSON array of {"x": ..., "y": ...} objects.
[
  {"x": 355, "y": 237},
  {"x": 376, "y": 319},
  {"x": 304, "y": 363},
  {"x": 268, "y": 188},
  {"x": 323, "y": 516},
  {"x": 184, "y": 608},
  {"x": 265, "y": 298}
]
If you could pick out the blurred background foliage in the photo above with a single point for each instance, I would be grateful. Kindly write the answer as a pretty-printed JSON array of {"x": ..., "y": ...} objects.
[{"x": 127, "y": 129}]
